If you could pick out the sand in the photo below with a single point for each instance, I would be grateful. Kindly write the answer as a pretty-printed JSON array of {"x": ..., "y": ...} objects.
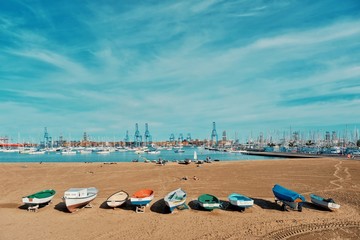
[{"x": 336, "y": 178}]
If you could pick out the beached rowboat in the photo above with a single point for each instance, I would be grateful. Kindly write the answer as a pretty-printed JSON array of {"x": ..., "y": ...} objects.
[
  {"x": 288, "y": 198},
  {"x": 175, "y": 198},
  {"x": 117, "y": 199},
  {"x": 142, "y": 197},
  {"x": 240, "y": 200},
  {"x": 208, "y": 201},
  {"x": 323, "y": 202},
  {"x": 42, "y": 197},
  {"x": 79, "y": 197},
  {"x": 288, "y": 195}
]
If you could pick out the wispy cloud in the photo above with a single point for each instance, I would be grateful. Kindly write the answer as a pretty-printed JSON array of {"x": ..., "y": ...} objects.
[{"x": 179, "y": 65}]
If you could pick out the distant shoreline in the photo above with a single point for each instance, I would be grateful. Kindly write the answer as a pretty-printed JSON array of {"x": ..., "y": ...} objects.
[{"x": 297, "y": 155}]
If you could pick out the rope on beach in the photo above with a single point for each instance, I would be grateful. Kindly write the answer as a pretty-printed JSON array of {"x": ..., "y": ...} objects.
[{"x": 297, "y": 230}]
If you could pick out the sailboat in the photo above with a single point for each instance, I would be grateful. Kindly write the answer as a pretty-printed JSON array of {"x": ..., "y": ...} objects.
[{"x": 196, "y": 159}]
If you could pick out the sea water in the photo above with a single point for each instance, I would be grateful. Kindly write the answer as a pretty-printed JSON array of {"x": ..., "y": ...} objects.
[{"x": 128, "y": 156}]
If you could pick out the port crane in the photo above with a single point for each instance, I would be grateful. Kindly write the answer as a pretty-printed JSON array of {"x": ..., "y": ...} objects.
[
  {"x": 148, "y": 138},
  {"x": 137, "y": 136},
  {"x": 214, "y": 135}
]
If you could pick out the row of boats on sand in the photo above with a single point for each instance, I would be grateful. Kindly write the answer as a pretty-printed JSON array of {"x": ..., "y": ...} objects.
[{"x": 75, "y": 198}]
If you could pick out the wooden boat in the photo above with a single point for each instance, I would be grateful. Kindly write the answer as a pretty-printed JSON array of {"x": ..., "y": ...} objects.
[
  {"x": 323, "y": 202},
  {"x": 117, "y": 199},
  {"x": 288, "y": 197},
  {"x": 75, "y": 198},
  {"x": 240, "y": 200},
  {"x": 175, "y": 198},
  {"x": 209, "y": 202},
  {"x": 142, "y": 197},
  {"x": 39, "y": 198}
]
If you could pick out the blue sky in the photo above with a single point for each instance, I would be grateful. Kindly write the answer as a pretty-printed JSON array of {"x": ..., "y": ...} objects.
[{"x": 249, "y": 65}]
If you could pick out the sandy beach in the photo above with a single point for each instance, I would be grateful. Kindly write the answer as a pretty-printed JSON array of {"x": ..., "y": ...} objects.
[{"x": 328, "y": 177}]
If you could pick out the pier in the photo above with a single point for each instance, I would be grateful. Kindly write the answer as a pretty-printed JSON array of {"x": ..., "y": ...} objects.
[{"x": 289, "y": 154}]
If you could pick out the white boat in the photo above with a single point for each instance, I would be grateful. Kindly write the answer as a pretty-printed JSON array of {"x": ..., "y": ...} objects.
[
  {"x": 85, "y": 151},
  {"x": 10, "y": 150},
  {"x": 68, "y": 152},
  {"x": 153, "y": 152},
  {"x": 323, "y": 202},
  {"x": 42, "y": 197},
  {"x": 103, "y": 151},
  {"x": 179, "y": 150},
  {"x": 79, "y": 197},
  {"x": 36, "y": 152},
  {"x": 26, "y": 150},
  {"x": 117, "y": 199},
  {"x": 121, "y": 150},
  {"x": 195, "y": 156},
  {"x": 175, "y": 198}
]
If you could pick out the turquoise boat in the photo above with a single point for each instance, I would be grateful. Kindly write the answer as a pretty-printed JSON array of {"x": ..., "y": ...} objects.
[
  {"x": 239, "y": 200},
  {"x": 209, "y": 202}
]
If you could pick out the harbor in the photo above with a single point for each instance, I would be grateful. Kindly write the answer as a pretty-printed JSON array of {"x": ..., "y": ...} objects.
[
  {"x": 141, "y": 148},
  {"x": 127, "y": 156}
]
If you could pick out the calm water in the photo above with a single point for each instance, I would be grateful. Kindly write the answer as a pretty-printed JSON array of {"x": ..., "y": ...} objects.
[{"x": 126, "y": 156}]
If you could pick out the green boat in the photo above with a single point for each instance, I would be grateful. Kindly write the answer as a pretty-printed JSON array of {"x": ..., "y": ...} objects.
[
  {"x": 209, "y": 202},
  {"x": 42, "y": 197}
]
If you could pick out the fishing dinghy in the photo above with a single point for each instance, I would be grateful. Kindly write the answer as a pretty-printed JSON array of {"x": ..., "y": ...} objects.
[
  {"x": 240, "y": 200},
  {"x": 209, "y": 202},
  {"x": 175, "y": 199},
  {"x": 327, "y": 203},
  {"x": 117, "y": 199}
]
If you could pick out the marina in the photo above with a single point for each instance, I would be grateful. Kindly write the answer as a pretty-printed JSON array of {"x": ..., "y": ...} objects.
[{"x": 127, "y": 156}]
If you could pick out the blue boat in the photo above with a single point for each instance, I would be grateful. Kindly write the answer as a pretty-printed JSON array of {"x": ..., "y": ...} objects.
[
  {"x": 288, "y": 198},
  {"x": 240, "y": 200},
  {"x": 284, "y": 194}
]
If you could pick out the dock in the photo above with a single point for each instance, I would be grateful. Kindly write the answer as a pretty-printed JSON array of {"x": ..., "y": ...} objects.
[{"x": 287, "y": 154}]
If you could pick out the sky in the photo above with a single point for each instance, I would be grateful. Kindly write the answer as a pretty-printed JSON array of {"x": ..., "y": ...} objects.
[{"x": 251, "y": 66}]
